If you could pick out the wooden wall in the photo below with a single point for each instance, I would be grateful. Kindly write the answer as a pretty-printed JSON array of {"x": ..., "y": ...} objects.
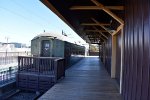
[
  {"x": 118, "y": 57},
  {"x": 105, "y": 53},
  {"x": 136, "y": 67},
  {"x": 108, "y": 54},
  {"x": 101, "y": 52}
]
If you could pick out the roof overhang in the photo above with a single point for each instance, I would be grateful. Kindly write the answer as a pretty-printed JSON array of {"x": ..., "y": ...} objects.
[{"x": 99, "y": 18}]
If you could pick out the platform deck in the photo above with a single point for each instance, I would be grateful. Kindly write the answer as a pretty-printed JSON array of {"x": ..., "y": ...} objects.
[{"x": 86, "y": 80}]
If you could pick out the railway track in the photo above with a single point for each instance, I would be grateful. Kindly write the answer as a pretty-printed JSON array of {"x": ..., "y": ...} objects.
[{"x": 23, "y": 95}]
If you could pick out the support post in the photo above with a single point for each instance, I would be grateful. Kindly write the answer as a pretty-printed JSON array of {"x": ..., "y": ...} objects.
[
  {"x": 113, "y": 62},
  {"x": 122, "y": 59}
]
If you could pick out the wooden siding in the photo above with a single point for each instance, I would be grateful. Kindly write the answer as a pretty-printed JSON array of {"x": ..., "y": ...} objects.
[
  {"x": 118, "y": 57},
  {"x": 108, "y": 54},
  {"x": 105, "y": 52},
  {"x": 101, "y": 52},
  {"x": 136, "y": 67}
]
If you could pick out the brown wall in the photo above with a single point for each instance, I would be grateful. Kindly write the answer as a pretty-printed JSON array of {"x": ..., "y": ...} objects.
[
  {"x": 101, "y": 52},
  {"x": 136, "y": 67},
  {"x": 105, "y": 53},
  {"x": 118, "y": 57},
  {"x": 108, "y": 54}
]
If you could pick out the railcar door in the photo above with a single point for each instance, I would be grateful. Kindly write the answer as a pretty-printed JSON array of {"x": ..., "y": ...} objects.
[{"x": 45, "y": 48}]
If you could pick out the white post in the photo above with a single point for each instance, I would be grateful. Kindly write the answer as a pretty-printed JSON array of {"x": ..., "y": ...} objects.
[{"x": 122, "y": 58}]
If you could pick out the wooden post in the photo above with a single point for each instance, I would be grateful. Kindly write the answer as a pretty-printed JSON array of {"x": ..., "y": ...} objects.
[
  {"x": 122, "y": 59},
  {"x": 55, "y": 69},
  {"x": 113, "y": 62}
]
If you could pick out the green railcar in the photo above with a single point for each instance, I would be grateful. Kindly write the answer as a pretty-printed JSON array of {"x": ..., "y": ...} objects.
[{"x": 48, "y": 45}]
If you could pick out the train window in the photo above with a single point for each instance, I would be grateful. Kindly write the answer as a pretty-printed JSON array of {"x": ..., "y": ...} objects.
[
  {"x": 46, "y": 45},
  {"x": 45, "y": 51}
]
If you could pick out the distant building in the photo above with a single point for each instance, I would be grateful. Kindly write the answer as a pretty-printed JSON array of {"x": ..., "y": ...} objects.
[
  {"x": 13, "y": 47},
  {"x": 19, "y": 45}
]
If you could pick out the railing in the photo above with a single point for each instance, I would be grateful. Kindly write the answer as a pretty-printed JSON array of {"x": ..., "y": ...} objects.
[
  {"x": 7, "y": 75},
  {"x": 60, "y": 68},
  {"x": 42, "y": 66},
  {"x": 9, "y": 66},
  {"x": 11, "y": 57}
]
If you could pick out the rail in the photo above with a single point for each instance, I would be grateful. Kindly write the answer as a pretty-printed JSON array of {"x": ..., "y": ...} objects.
[
  {"x": 60, "y": 68},
  {"x": 9, "y": 66},
  {"x": 7, "y": 75},
  {"x": 42, "y": 66}
]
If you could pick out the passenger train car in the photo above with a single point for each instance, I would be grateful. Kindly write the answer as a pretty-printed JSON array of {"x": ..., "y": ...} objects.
[{"x": 52, "y": 45}]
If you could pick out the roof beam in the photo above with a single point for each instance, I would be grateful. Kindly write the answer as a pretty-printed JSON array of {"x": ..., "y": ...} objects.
[
  {"x": 54, "y": 10},
  {"x": 94, "y": 24},
  {"x": 97, "y": 38},
  {"x": 94, "y": 39},
  {"x": 92, "y": 33},
  {"x": 93, "y": 36},
  {"x": 118, "y": 29},
  {"x": 94, "y": 42},
  {"x": 102, "y": 26},
  {"x": 108, "y": 11},
  {"x": 95, "y": 30},
  {"x": 115, "y": 7},
  {"x": 96, "y": 35},
  {"x": 100, "y": 32},
  {"x": 96, "y": 8}
]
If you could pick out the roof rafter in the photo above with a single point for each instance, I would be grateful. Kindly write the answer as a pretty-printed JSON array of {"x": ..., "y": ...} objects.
[
  {"x": 94, "y": 24},
  {"x": 54, "y": 10},
  {"x": 94, "y": 37},
  {"x": 95, "y": 30},
  {"x": 118, "y": 29},
  {"x": 100, "y": 32},
  {"x": 96, "y": 8},
  {"x": 107, "y": 10},
  {"x": 97, "y": 35},
  {"x": 95, "y": 40},
  {"x": 102, "y": 26}
]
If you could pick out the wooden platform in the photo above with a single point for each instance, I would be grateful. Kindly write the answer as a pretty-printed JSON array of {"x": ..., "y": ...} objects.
[{"x": 86, "y": 80}]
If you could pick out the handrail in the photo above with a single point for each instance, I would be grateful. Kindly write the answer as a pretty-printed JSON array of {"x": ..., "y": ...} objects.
[
  {"x": 42, "y": 66},
  {"x": 10, "y": 57}
]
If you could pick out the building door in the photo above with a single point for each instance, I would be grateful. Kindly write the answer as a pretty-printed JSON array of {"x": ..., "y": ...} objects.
[{"x": 45, "y": 50}]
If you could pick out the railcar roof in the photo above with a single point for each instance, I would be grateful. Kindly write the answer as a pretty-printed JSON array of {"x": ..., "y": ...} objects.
[
  {"x": 49, "y": 35},
  {"x": 53, "y": 35}
]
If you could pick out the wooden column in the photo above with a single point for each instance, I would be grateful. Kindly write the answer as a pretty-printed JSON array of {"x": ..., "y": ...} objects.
[
  {"x": 122, "y": 58},
  {"x": 113, "y": 62}
]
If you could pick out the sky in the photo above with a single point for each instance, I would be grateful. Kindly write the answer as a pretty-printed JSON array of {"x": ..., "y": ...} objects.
[{"x": 22, "y": 20}]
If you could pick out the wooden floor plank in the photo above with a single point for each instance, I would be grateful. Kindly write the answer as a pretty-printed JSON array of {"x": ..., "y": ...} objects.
[{"x": 86, "y": 80}]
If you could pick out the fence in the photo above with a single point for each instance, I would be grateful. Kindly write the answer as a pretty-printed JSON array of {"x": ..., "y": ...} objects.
[
  {"x": 39, "y": 73},
  {"x": 7, "y": 75},
  {"x": 9, "y": 65},
  {"x": 11, "y": 57}
]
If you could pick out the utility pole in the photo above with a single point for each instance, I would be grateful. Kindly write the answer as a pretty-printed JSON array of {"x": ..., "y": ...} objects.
[
  {"x": 7, "y": 38},
  {"x": 6, "y": 49}
]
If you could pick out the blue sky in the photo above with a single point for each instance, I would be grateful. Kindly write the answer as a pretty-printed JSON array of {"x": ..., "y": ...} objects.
[{"x": 21, "y": 20}]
